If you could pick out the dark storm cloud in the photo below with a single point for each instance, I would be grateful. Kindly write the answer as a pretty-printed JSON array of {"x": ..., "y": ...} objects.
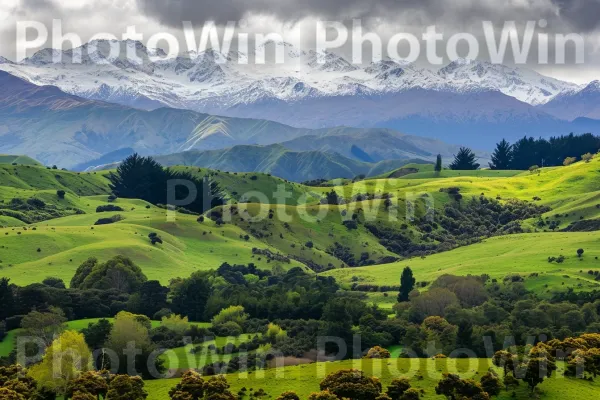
[
  {"x": 581, "y": 15},
  {"x": 172, "y": 12}
]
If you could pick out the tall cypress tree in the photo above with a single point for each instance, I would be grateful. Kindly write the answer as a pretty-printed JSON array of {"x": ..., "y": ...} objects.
[
  {"x": 502, "y": 156},
  {"x": 438, "y": 163},
  {"x": 407, "y": 284},
  {"x": 464, "y": 160}
]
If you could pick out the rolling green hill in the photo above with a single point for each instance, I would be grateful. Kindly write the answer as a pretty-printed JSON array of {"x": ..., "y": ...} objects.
[
  {"x": 303, "y": 232},
  {"x": 21, "y": 160}
]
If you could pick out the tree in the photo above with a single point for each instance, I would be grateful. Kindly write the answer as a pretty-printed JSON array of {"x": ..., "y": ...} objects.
[
  {"x": 538, "y": 366},
  {"x": 191, "y": 295},
  {"x": 351, "y": 384},
  {"x": 438, "y": 163},
  {"x": 397, "y": 388},
  {"x": 231, "y": 314},
  {"x": 61, "y": 194},
  {"x": 587, "y": 157},
  {"x": 464, "y": 160},
  {"x": 7, "y": 299},
  {"x": 217, "y": 388},
  {"x": 65, "y": 359},
  {"x": 89, "y": 382},
  {"x": 96, "y": 334},
  {"x": 569, "y": 160},
  {"x": 44, "y": 325},
  {"x": 54, "y": 282},
  {"x": 144, "y": 178},
  {"x": 491, "y": 384},
  {"x": 455, "y": 388},
  {"x": 125, "y": 387},
  {"x": 118, "y": 273},
  {"x": 502, "y": 156},
  {"x": 407, "y": 284},
  {"x": 332, "y": 198},
  {"x": 288, "y": 396},
  {"x": 149, "y": 299},
  {"x": 323, "y": 395},
  {"x": 378, "y": 352},
  {"x": 580, "y": 252},
  {"x": 130, "y": 328},
  {"x": 505, "y": 360},
  {"x": 191, "y": 384}
]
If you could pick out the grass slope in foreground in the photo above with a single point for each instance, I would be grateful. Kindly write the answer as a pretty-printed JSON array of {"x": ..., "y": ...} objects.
[{"x": 304, "y": 379}]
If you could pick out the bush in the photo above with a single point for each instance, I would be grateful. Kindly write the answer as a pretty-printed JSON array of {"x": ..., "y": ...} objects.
[
  {"x": 107, "y": 208},
  {"x": 569, "y": 160},
  {"x": 111, "y": 220},
  {"x": 61, "y": 194},
  {"x": 229, "y": 328}
]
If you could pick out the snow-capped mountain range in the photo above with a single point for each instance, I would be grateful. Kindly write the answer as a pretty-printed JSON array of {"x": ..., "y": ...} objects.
[
  {"x": 466, "y": 102},
  {"x": 213, "y": 81}
]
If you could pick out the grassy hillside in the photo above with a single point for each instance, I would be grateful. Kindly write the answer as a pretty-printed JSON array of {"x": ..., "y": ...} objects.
[
  {"x": 498, "y": 257},
  {"x": 21, "y": 160},
  {"x": 302, "y": 231},
  {"x": 304, "y": 379}
]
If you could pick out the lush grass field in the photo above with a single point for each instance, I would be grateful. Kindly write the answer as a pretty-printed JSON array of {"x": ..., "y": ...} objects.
[
  {"x": 21, "y": 160},
  {"x": 423, "y": 374},
  {"x": 498, "y": 257}
]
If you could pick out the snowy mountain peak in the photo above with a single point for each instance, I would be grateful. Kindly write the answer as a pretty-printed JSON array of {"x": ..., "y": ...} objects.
[
  {"x": 593, "y": 86},
  {"x": 5, "y": 61}
]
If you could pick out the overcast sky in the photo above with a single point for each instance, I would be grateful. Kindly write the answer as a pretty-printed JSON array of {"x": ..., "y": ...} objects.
[{"x": 297, "y": 18}]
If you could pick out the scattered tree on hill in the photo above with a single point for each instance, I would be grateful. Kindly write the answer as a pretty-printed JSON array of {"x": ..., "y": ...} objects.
[
  {"x": 7, "y": 299},
  {"x": 118, "y": 273},
  {"x": 587, "y": 157},
  {"x": 351, "y": 384},
  {"x": 502, "y": 156},
  {"x": 569, "y": 160},
  {"x": 61, "y": 194},
  {"x": 407, "y": 284},
  {"x": 144, "y": 178},
  {"x": 438, "y": 163},
  {"x": 580, "y": 252},
  {"x": 332, "y": 198},
  {"x": 378, "y": 352},
  {"x": 464, "y": 160}
]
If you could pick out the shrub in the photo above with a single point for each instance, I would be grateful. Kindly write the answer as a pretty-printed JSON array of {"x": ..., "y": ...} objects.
[
  {"x": 111, "y": 220},
  {"x": 569, "y": 160},
  {"x": 587, "y": 157},
  {"x": 378, "y": 352},
  {"x": 107, "y": 208},
  {"x": 61, "y": 194}
]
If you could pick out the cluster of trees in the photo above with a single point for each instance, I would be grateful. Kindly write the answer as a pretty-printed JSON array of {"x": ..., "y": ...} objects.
[
  {"x": 528, "y": 152},
  {"x": 461, "y": 223},
  {"x": 144, "y": 178},
  {"x": 458, "y": 312}
]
